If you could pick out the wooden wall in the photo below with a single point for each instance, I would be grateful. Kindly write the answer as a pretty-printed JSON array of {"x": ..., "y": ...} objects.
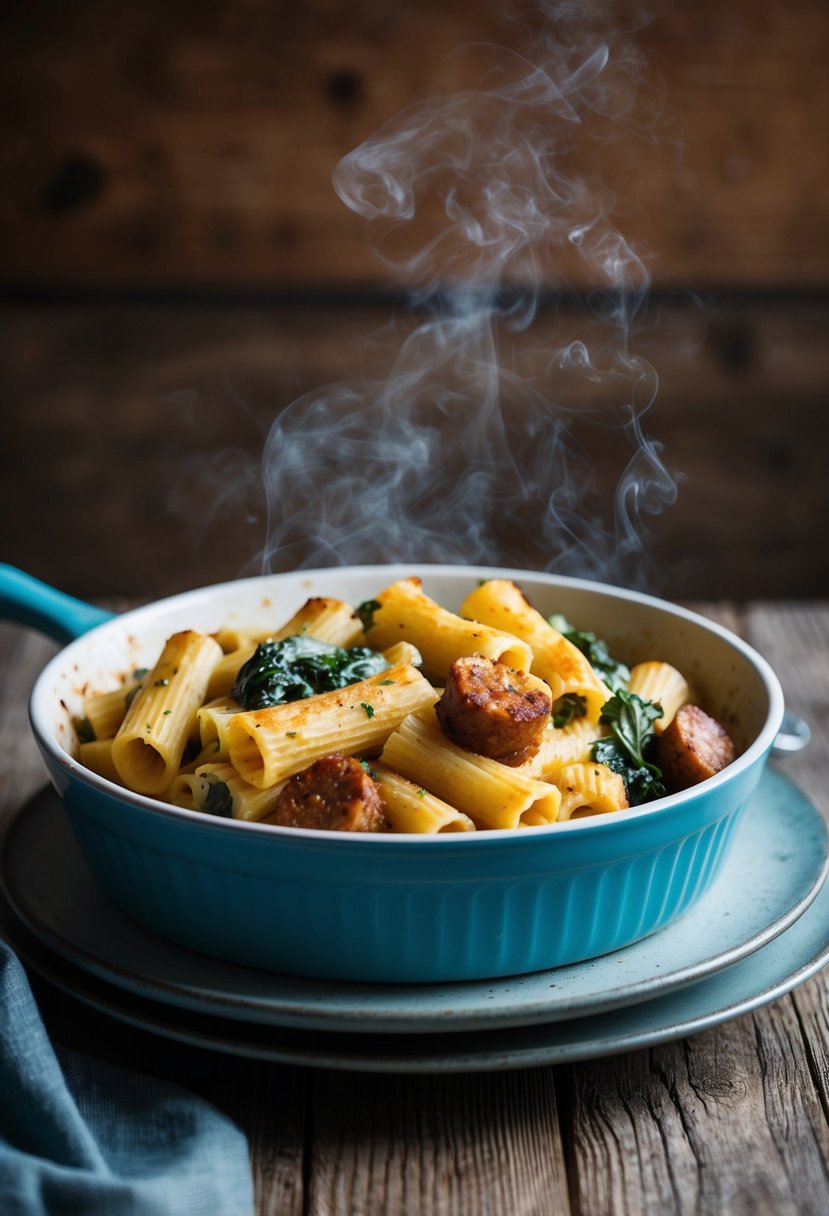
[{"x": 177, "y": 268}]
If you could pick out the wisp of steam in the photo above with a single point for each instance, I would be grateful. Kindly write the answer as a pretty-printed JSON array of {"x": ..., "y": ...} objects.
[{"x": 461, "y": 453}]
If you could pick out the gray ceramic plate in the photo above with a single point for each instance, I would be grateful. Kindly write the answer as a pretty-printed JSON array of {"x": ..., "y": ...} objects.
[
  {"x": 772, "y": 875},
  {"x": 773, "y": 970}
]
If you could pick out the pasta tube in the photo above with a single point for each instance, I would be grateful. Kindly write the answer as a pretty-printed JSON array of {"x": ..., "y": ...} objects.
[
  {"x": 268, "y": 745},
  {"x": 105, "y": 711},
  {"x": 213, "y": 720},
  {"x": 441, "y": 636},
  {"x": 411, "y": 808},
  {"x": 223, "y": 675},
  {"x": 323, "y": 617},
  {"x": 657, "y": 681},
  {"x": 326, "y": 619},
  {"x": 403, "y": 652},
  {"x": 150, "y": 742},
  {"x": 492, "y": 794},
  {"x": 97, "y": 755},
  {"x": 218, "y": 788},
  {"x": 500, "y": 603},
  {"x": 590, "y": 789},
  {"x": 561, "y": 746}
]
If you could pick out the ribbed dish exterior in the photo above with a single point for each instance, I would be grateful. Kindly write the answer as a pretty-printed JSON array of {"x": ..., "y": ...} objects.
[{"x": 337, "y": 926}]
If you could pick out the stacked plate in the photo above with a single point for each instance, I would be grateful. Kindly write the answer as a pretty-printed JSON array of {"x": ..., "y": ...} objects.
[{"x": 761, "y": 929}]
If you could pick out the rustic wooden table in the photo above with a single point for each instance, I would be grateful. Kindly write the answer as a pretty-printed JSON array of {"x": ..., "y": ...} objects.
[{"x": 732, "y": 1120}]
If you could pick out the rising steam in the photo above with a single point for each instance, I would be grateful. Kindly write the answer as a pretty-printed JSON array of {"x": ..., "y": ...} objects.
[{"x": 479, "y": 445}]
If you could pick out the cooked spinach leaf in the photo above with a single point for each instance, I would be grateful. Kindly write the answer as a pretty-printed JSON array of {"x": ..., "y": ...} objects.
[
  {"x": 301, "y": 666},
  {"x": 626, "y": 749},
  {"x": 615, "y": 674},
  {"x": 568, "y": 708},
  {"x": 217, "y": 800},
  {"x": 366, "y": 611},
  {"x": 85, "y": 729}
]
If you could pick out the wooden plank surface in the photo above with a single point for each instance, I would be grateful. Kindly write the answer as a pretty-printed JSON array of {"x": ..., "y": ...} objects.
[
  {"x": 195, "y": 142},
  {"x": 730, "y": 1122},
  {"x": 484, "y": 1145}
]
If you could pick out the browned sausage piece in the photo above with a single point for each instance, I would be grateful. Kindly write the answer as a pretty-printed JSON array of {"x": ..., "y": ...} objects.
[
  {"x": 693, "y": 747},
  {"x": 493, "y": 710},
  {"x": 335, "y": 794}
]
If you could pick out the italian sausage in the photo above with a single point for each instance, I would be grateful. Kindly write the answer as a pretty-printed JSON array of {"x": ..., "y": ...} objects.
[
  {"x": 693, "y": 747},
  {"x": 493, "y": 710},
  {"x": 334, "y": 794}
]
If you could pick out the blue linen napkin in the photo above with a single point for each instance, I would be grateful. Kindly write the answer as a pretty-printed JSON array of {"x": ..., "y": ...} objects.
[{"x": 82, "y": 1136}]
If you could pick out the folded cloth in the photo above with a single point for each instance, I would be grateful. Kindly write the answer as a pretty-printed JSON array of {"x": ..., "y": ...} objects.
[{"x": 78, "y": 1135}]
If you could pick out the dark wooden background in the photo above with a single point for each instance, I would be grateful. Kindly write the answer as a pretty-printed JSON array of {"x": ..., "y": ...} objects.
[{"x": 176, "y": 269}]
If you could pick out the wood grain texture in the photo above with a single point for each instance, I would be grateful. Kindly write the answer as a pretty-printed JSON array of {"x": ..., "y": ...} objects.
[
  {"x": 482, "y": 1145},
  {"x": 726, "y": 1121},
  {"x": 811, "y": 1005},
  {"x": 22, "y": 654},
  {"x": 195, "y": 142},
  {"x": 272, "y": 1106},
  {"x": 793, "y": 637}
]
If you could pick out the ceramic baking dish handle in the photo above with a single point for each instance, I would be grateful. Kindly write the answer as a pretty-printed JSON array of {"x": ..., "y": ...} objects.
[{"x": 28, "y": 601}]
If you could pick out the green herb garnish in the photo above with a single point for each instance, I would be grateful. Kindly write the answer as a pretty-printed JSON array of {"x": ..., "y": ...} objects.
[
  {"x": 368, "y": 708},
  {"x": 626, "y": 749}
]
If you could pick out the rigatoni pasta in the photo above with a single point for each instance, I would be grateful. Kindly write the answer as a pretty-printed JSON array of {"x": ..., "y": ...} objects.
[
  {"x": 218, "y": 788},
  {"x": 404, "y": 611},
  {"x": 590, "y": 789},
  {"x": 96, "y": 754},
  {"x": 213, "y": 720},
  {"x": 490, "y": 793},
  {"x": 561, "y": 746},
  {"x": 412, "y": 808},
  {"x": 664, "y": 685},
  {"x": 148, "y": 747},
  {"x": 323, "y": 617},
  {"x": 406, "y": 716},
  {"x": 268, "y": 745},
  {"x": 105, "y": 711},
  {"x": 501, "y": 604}
]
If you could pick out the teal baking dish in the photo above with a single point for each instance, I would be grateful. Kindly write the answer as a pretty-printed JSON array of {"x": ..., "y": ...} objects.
[{"x": 394, "y": 908}]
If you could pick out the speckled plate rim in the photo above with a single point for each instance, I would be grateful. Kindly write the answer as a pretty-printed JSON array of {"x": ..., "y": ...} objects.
[
  {"x": 127, "y": 956},
  {"x": 774, "y": 970}
]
